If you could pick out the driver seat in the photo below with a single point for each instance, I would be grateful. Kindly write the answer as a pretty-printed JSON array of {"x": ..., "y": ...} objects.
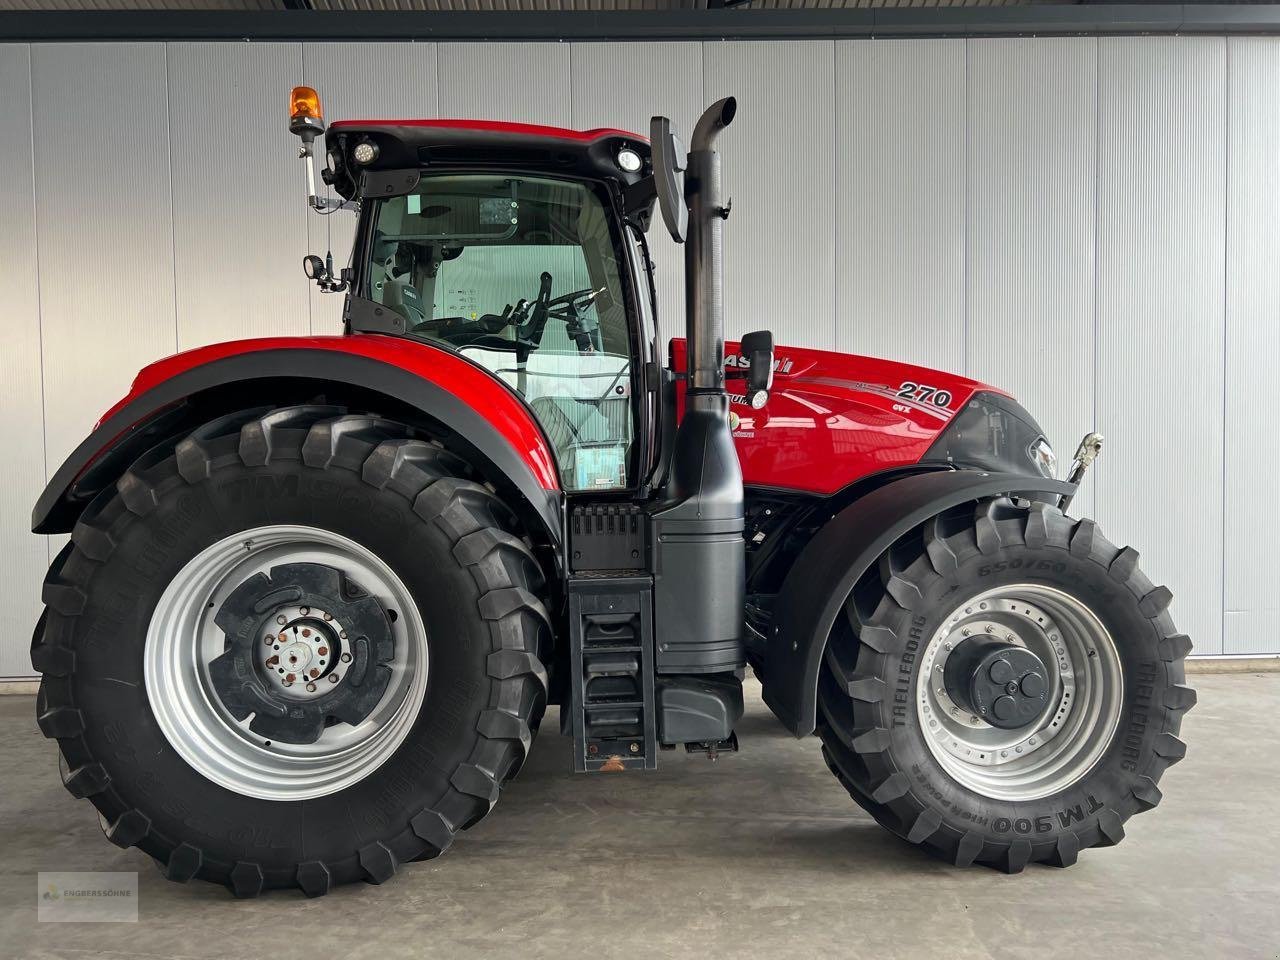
[{"x": 401, "y": 296}]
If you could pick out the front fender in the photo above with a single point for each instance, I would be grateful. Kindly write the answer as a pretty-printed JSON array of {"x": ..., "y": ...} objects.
[
  {"x": 463, "y": 398},
  {"x": 814, "y": 590}
]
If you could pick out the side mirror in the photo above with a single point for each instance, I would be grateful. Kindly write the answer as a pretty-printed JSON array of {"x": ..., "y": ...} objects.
[
  {"x": 668, "y": 164},
  {"x": 757, "y": 348}
]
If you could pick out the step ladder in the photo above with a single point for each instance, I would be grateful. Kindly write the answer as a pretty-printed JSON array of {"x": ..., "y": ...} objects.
[{"x": 611, "y": 663}]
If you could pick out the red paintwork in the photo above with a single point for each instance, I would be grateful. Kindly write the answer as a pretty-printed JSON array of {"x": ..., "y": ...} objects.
[
  {"x": 832, "y": 418},
  {"x": 500, "y": 405},
  {"x": 501, "y": 126}
]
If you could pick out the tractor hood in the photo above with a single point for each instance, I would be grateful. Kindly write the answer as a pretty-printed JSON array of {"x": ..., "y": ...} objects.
[{"x": 833, "y": 418}]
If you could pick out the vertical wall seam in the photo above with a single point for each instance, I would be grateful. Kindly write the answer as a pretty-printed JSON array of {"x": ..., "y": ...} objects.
[
  {"x": 1097, "y": 238},
  {"x": 306, "y": 213},
  {"x": 35, "y": 237},
  {"x": 836, "y": 180},
  {"x": 964, "y": 219},
  {"x": 173, "y": 219},
  {"x": 1226, "y": 235},
  {"x": 573, "y": 114},
  {"x": 439, "y": 51}
]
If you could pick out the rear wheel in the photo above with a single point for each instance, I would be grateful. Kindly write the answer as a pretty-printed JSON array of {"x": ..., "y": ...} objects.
[
  {"x": 299, "y": 649},
  {"x": 1006, "y": 689}
]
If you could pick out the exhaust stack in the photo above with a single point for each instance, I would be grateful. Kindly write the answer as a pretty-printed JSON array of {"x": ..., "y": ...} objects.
[
  {"x": 704, "y": 257},
  {"x": 700, "y": 577}
]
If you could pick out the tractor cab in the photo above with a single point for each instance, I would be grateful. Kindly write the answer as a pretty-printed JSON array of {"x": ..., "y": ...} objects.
[{"x": 521, "y": 248}]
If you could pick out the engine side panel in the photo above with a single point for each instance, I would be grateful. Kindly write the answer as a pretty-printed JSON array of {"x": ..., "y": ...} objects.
[{"x": 834, "y": 418}]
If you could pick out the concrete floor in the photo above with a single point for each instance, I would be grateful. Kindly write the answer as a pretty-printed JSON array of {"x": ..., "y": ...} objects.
[{"x": 758, "y": 855}]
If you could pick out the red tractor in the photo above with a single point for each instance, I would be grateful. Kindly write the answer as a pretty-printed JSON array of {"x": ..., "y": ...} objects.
[{"x": 319, "y": 590}]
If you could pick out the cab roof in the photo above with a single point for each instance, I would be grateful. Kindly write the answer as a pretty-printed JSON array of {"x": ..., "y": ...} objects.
[{"x": 482, "y": 144}]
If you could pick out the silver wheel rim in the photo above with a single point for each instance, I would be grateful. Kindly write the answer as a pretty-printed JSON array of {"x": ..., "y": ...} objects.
[
  {"x": 182, "y": 639},
  {"x": 1082, "y": 711}
]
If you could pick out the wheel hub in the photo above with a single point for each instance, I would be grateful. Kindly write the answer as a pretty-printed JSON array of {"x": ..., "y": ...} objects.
[
  {"x": 1003, "y": 683},
  {"x": 1046, "y": 672},
  {"x": 306, "y": 647},
  {"x": 301, "y": 658}
]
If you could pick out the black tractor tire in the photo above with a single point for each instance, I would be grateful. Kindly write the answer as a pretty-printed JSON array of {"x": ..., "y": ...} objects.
[
  {"x": 420, "y": 509},
  {"x": 873, "y": 738}
]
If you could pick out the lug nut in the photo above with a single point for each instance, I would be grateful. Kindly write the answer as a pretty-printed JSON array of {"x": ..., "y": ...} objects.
[
  {"x": 342, "y": 635},
  {"x": 323, "y": 651},
  {"x": 306, "y": 632},
  {"x": 311, "y": 688},
  {"x": 333, "y": 678},
  {"x": 270, "y": 640},
  {"x": 315, "y": 672},
  {"x": 328, "y": 616},
  {"x": 304, "y": 610},
  {"x": 289, "y": 678},
  {"x": 272, "y": 661},
  {"x": 281, "y": 620},
  {"x": 346, "y": 658}
]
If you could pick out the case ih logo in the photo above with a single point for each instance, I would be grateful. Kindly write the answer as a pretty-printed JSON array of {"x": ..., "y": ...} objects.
[{"x": 780, "y": 364}]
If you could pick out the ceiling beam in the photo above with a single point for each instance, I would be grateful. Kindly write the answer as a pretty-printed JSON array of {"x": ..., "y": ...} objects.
[{"x": 715, "y": 24}]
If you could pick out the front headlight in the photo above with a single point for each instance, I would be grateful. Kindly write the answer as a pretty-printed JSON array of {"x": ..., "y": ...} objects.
[
  {"x": 994, "y": 433},
  {"x": 1044, "y": 458}
]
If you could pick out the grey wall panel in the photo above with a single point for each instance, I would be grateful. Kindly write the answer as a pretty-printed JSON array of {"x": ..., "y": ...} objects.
[
  {"x": 1161, "y": 170},
  {"x": 900, "y": 116},
  {"x": 1064, "y": 203},
  {"x": 527, "y": 82},
  {"x": 359, "y": 81},
  {"x": 240, "y": 227},
  {"x": 1252, "y": 525},
  {"x": 1031, "y": 202},
  {"x": 104, "y": 227},
  {"x": 23, "y": 556},
  {"x": 623, "y": 85},
  {"x": 780, "y": 240}
]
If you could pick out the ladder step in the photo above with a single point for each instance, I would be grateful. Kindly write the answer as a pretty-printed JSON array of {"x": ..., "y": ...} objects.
[
  {"x": 610, "y": 664},
  {"x": 613, "y": 714}
]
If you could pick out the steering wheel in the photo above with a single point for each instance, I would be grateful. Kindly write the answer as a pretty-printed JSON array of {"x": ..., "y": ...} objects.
[
  {"x": 529, "y": 321},
  {"x": 568, "y": 303}
]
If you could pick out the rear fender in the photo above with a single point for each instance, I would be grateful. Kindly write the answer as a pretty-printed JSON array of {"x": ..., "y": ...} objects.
[
  {"x": 474, "y": 408},
  {"x": 814, "y": 591}
]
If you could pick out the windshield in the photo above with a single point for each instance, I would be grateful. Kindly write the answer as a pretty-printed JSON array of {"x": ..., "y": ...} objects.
[{"x": 521, "y": 275}]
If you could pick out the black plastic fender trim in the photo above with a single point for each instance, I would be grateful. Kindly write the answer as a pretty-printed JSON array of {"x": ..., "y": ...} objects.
[
  {"x": 126, "y": 431},
  {"x": 815, "y": 588}
]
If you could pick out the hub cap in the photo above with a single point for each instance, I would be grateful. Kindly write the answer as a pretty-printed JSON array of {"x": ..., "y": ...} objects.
[
  {"x": 286, "y": 662},
  {"x": 1020, "y": 692}
]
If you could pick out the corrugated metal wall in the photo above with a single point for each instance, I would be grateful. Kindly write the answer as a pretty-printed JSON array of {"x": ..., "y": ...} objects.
[{"x": 1092, "y": 223}]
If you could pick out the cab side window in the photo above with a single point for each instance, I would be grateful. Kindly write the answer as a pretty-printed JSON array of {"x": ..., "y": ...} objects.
[{"x": 520, "y": 274}]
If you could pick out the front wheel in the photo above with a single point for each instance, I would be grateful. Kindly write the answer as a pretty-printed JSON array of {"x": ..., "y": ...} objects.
[
  {"x": 1007, "y": 688},
  {"x": 298, "y": 649}
]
